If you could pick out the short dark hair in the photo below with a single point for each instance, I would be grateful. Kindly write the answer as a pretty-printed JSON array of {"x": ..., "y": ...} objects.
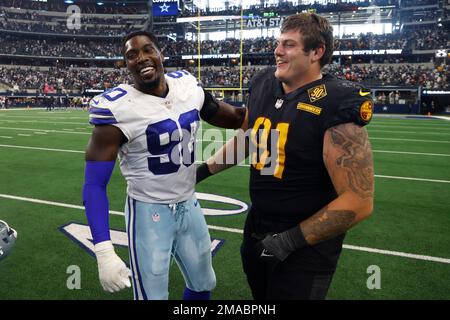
[
  {"x": 133, "y": 34},
  {"x": 315, "y": 30}
]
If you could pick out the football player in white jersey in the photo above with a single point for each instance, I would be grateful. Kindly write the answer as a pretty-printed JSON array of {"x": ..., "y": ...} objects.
[{"x": 151, "y": 126}]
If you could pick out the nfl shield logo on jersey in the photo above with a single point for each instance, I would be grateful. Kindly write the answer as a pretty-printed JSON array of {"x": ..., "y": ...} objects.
[
  {"x": 279, "y": 103},
  {"x": 156, "y": 217}
]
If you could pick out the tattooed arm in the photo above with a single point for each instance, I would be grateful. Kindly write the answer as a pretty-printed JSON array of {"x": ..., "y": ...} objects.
[{"x": 348, "y": 158}]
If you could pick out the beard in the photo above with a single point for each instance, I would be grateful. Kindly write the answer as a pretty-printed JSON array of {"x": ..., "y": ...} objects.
[{"x": 148, "y": 83}]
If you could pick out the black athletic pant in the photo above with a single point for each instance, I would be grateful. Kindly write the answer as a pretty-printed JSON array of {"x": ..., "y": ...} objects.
[{"x": 271, "y": 279}]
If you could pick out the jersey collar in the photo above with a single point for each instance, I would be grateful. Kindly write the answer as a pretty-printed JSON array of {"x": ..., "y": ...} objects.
[{"x": 279, "y": 92}]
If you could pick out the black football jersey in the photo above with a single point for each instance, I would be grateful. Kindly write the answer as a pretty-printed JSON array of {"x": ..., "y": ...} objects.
[{"x": 288, "y": 179}]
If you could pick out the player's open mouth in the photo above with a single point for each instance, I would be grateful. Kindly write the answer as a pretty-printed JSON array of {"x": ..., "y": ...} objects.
[
  {"x": 281, "y": 64},
  {"x": 146, "y": 71}
]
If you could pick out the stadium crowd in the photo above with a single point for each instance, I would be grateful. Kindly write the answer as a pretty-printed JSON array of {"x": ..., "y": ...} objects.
[
  {"x": 60, "y": 27},
  {"x": 85, "y": 19},
  {"x": 86, "y": 6},
  {"x": 54, "y": 48},
  {"x": 73, "y": 80},
  {"x": 287, "y": 7},
  {"x": 257, "y": 52},
  {"x": 422, "y": 39},
  {"x": 78, "y": 80},
  {"x": 426, "y": 39}
]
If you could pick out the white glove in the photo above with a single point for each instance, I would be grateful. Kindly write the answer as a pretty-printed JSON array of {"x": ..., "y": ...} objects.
[{"x": 113, "y": 273}]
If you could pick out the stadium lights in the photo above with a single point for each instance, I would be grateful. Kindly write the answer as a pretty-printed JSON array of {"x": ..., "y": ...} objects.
[
  {"x": 100, "y": 3},
  {"x": 68, "y": 1}
]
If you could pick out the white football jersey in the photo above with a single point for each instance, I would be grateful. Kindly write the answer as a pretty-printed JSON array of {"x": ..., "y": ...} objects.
[{"x": 158, "y": 159}]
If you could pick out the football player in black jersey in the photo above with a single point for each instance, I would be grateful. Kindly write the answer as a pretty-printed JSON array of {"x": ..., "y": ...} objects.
[{"x": 311, "y": 173}]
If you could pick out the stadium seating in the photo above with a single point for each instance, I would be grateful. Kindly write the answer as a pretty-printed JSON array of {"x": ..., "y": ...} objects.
[{"x": 39, "y": 49}]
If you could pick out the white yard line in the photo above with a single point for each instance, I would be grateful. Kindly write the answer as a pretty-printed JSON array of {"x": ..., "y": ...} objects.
[
  {"x": 39, "y": 121},
  {"x": 24, "y": 135},
  {"x": 375, "y": 150},
  {"x": 242, "y": 165},
  {"x": 54, "y": 112},
  {"x": 409, "y": 132},
  {"x": 218, "y": 141},
  {"x": 45, "y": 130},
  {"x": 413, "y": 153},
  {"x": 413, "y": 140},
  {"x": 412, "y": 179},
  {"x": 398, "y": 254},
  {"x": 19, "y": 109},
  {"x": 239, "y": 231},
  {"x": 6, "y": 137},
  {"x": 429, "y": 127},
  {"x": 33, "y": 117},
  {"x": 370, "y": 138},
  {"x": 38, "y": 148}
]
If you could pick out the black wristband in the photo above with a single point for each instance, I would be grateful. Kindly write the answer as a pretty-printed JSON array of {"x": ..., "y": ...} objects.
[
  {"x": 202, "y": 172},
  {"x": 296, "y": 237}
]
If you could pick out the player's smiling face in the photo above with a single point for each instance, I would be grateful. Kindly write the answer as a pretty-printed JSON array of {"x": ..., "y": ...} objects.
[
  {"x": 292, "y": 62},
  {"x": 145, "y": 62}
]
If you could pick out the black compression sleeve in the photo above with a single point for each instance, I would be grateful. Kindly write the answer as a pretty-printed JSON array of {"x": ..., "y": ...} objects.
[
  {"x": 210, "y": 106},
  {"x": 202, "y": 172}
]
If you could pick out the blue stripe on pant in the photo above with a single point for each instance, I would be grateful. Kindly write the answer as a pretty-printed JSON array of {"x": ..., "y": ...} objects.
[{"x": 157, "y": 230}]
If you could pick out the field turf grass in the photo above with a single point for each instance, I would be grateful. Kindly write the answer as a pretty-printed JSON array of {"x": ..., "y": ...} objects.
[{"x": 410, "y": 226}]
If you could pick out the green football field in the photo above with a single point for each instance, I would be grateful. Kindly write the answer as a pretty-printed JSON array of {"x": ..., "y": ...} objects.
[{"x": 406, "y": 240}]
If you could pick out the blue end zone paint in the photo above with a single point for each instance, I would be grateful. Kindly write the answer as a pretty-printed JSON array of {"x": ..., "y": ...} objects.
[
  {"x": 80, "y": 244},
  {"x": 92, "y": 254},
  {"x": 217, "y": 248}
]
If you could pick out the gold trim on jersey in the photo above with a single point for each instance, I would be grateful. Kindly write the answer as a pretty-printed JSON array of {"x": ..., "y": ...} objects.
[
  {"x": 309, "y": 108},
  {"x": 317, "y": 93}
]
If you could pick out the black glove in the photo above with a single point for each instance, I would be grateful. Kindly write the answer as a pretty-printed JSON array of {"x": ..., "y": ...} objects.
[
  {"x": 281, "y": 245},
  {"x": 202, "y": 172},
  {"x": 269, "y": 259}
]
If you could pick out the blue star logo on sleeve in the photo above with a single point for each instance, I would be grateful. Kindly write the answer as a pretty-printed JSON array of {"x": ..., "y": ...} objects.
[{"x": 164, "y": 7}]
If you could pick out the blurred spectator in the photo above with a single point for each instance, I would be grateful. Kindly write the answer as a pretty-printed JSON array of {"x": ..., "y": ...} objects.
[{"x": 78, "y": 80}]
